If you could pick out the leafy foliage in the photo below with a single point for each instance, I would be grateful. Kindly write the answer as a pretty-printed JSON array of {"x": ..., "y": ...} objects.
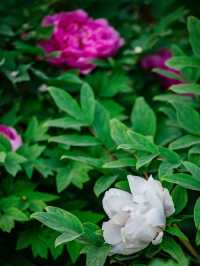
[{"x": 83, "y": 134}]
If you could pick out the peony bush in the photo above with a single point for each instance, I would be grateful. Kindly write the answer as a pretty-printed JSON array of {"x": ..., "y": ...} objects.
[{"x": 99, "y": 133}]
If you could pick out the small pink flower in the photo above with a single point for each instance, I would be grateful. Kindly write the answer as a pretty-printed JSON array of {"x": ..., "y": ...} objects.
[
  {"x": 158, "y": 60},
  {"x": 79, "y": 40},
  {"x": 12, "y": 135}
]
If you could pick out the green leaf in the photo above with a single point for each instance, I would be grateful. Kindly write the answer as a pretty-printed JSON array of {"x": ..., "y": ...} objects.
[
  {"x": 184, "y": 142},
  {"x": 143, "y": 118},
  {"x": 121, "y": 163},
  {"x": 6, "y": 223},
  {"x": 110, "y": 83},
  {"x": 175, "y": 231},
  {"x": 74, "y": 249},
  {"x": 63, "y": 179},
  {"x": 169, "y": 18},
  {"x": 60, "y": 220},
  {"x": 16, "y": 214},
  {"x": 141, "y": 143},
  {"x": 25, "y": 48},
  {"x": 144, "y": 159},
  {"x": 197, "y": 240},
  {"x": 65, "y": 80},
  {"x": 191, "y": 125},
  {"x": 89, "y": 216},
  {"x": 180, "y": 198},
  {"x": 2, "y": 157},
  {"x": 184, "y": 180},
  {"x": 87, "y": 103},
  {"x": 93, "y": 234},
  {"x": 114, "y": 109},
  {"x": 12, "y": 163},
  {"x": 103, "y": 183},
  {"x": 97, "y": 255},
  {"x": 66, "y": 103},
  {"x": 158, "y": 262},
  {"x": 170, "y": 246},
  {"x": 193, "y": 25},
  {"x": 35, "y": 131},
  {"x": 166, "y": 168},
  {"x": 123, "y": 185},
  {"x": 75, "y": 140},
  {"x": 84, "y": 159},
  {"x": 119, "y": 132},
  {"x": 75, "y": 173},
  {"x": 40, "y": 240},
  {"x": 101, "y": 125},
  {"x": 188, "y": 88},
  {"x": 66, "y": 237},
  {"x": 9, "y": 216},
  {"x": 193, "y": 169},
  {"x": 128, "y": 139},
  {"x": 65, "y": 122},
  {"x": 170, "y": 156},
  {"x": 197, "y": 214},
  {"x": 173, "y": 99},
  {"x": 167, "y": 134},
  {"x": 179, "y": 62},
  {"x": 167, "y": 74},
  {"x": 5, "y": 144}
]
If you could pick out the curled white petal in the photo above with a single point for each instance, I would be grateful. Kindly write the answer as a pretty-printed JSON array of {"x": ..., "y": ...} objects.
[
  {"x": 137, "y": 184},
  {"x": 168, "y": 203},
  {"x": 158, "y": 239},
  {"x": 111, "y": 233},
  {"x": 155, "y": 217},
  {"x": 122, "y": 249},
  {"x": 136, "y": 233},
  {"x": 114, "y": 200}
]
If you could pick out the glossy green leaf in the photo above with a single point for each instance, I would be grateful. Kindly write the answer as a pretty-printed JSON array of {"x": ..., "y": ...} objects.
[
  {"x": 197, "y": 214},
  {"x": 193, "y": 25},
  {"x": 103, "y": 183},
  {"x": 59, "y": 220},
  {"x": 184, "y": 180},
  {"x": 143, "y": 118}
]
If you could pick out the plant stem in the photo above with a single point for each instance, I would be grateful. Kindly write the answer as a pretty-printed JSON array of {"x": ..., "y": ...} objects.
[{"x": 189, "y": 246}]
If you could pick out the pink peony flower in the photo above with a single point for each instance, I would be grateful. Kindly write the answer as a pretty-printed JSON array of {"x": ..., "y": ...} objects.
[
  {"x": 12, "y": 135},
  {"x": 79, "y": 39},
  {"x": 158, "y": 60}
]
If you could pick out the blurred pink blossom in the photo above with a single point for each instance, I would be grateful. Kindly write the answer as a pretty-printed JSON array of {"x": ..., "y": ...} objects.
[
  {"x": 79, "y": 40},
  {"x": 12, "y": 135},
  {"x": 158, "y": 60}
]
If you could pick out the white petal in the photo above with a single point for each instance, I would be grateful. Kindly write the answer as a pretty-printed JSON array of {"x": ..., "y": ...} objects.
[
  {"x": 123, "y": 250},
  {"x": 158, "y": 239},
  {"x": 168, "y": 203},
  {"x": 137, "y": 184},
  {"x": 137, "y": 233},
  {"x": 111, "y": 233},
  {"x": 114, "y": 200},
  {"x": 153, "y": 199},
  {"x": 155, "y": 217},
  {"x": 156, "y": 187},
  {"x": 120, "y": 218}
]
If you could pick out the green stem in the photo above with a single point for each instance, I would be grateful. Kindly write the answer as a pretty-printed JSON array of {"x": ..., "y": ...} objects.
[{"x": 189, "y": 246}]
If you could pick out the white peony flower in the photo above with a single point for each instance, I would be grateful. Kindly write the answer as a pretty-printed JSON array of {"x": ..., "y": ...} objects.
[{"x": 137, "y": 218}]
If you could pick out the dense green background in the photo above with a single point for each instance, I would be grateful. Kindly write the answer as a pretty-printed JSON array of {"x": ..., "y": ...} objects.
[{"x": 35, "y": 176}]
